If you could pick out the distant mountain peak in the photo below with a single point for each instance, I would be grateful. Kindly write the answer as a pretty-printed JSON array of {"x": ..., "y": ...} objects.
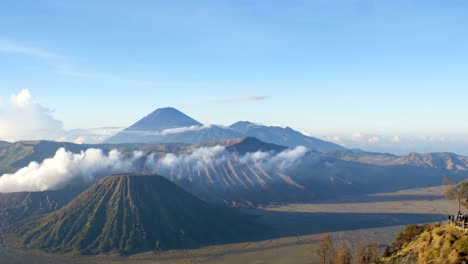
[
  {"x": 242, "y": 124},
  {"x": 164, "y": 118},
  {"x": 284, "y": 136},
  {"x": 149, "y": 128},
  {"x": 253, "y": 144},
  {"x": 251, "y": 140}
]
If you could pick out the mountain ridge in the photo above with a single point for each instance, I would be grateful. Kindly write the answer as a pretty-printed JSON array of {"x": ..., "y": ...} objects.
[
  {"x": 243, "y": 145},
  {"x": 234, "y": 182},
  {"x": 436, "y": 160},
  {"x": 169, "y": 125},
  {"x": 283, "y": 136}
]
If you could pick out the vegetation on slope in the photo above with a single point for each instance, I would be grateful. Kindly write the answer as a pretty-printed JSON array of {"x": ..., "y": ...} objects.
[
  {"x": 429, "y": 244},
  {"x": 330, "y": 251},
  {"x": 18, "y": 206},
  {"x": 135, "y": 213}
]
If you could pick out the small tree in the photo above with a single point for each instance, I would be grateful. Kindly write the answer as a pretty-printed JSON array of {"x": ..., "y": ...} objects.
[
  {"x": 343, "y": 254},
  {"x": 325, "y": 249},
  {"x": 455, "y": 191},
  {"x": 367, "y": 253}
]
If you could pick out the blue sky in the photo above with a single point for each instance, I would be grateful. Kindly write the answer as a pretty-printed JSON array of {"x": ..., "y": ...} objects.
[{"x": 393, "y": 68}]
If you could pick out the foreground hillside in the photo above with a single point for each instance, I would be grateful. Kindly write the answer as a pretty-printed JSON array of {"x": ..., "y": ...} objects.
[
  {"x": 429, "y": 244},
  {"x": 135, "y": 213},
  {"x": 294, "y": 235}
]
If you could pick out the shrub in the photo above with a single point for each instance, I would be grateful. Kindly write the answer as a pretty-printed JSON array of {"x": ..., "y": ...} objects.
[{"x": 409, "y": 233}]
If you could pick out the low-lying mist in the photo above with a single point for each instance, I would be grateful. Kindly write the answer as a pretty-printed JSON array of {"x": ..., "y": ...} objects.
[{"x": 66, "y": 167}]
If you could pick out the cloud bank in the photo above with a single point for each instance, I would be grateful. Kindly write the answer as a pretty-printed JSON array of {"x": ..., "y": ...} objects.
[
  {"x": 89, "y": 135},
  {"x": 402, "y": 144},
  {"x": 66, "y": 167},
  {"x": 179, "y": 130},
  {"x": 281, "y": 161},
  {"x": 169, "y": 131},
  {"x": 23, "y": 118},
  {"x": 214, "y": 156},
  {"x": 197, "y": 159}
]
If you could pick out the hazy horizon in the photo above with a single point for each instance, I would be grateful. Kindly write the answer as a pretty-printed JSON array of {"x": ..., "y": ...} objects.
[{"x": 24, "y": 118}]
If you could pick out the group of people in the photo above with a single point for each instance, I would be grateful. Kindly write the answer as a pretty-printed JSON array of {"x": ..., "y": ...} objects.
[{"x": 459, "y": 217}]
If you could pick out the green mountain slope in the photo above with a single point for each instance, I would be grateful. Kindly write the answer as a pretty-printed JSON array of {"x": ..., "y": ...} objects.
[
  {"x": 22, "y": 205},
  {"x": 131, "y": 213}
]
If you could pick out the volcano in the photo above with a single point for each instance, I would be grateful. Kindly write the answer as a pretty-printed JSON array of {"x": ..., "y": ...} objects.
[
  {"x": 135, "y": 213},
  {"x": 169, "y": 125},
  {"x": 164, "y": 118}
]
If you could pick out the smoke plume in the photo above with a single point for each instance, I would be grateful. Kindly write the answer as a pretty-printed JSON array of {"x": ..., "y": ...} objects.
[
  {"x": 198, "y": 159},
  {"x": 66, "y": 167},
  {"x": 204, "y": 156}
]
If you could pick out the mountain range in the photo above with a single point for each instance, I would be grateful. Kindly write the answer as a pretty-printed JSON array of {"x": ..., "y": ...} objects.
[
  {"x": 283, "y": 136},
  {"x": 232, "y": 181},
  {"x": 169, "y": 125}
]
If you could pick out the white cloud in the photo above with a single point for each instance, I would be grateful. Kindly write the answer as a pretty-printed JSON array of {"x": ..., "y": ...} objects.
[
  {"x": 205, "y": 156},
  {"x": 23, "y": 99},
  {"x": 24, "y": 118},
  {"x": 198, "y": 159},
  {"x": 357, "y": 135},
  {"x": 80, "y": 140},
  {"x": 90, "y": 135},
  {"x": 169, "y": 131},
  {"x": 254, "y": 157},
  {"x": 65, "y": 167},
  {"x": 395, "y": 139},
  {"x": 374, "y": 140},
  {"x": 179, "y": 130},
  {"x": 283, "y": 160}
]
